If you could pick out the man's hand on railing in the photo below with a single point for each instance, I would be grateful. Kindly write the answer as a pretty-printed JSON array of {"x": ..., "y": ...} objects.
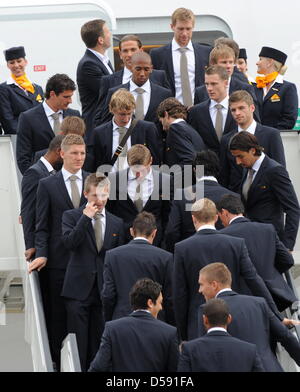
[
  {"x": 290, "y": 322},
  {"x": 37, "y": 264}
]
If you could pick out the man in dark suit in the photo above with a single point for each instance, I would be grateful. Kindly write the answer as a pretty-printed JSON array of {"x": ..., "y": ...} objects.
[
  {"x": 18, "y": 93},
  {"x": 55, "y": 195},
  {"x": 44, "y": 167},
  {"x": 38, "y": 126},
  {"x": 205, "y": 247},
  {"x": 252, "y": 320},
  {"x": 88, "y": 232},
  {"x": 180, "y": 224},
  {"x": 267, "y": 191},
  {"x": 224, "y": 56},
  {"x": 268, "y": 254},
  {"x": 182, "y": 142},
  {"x": 107, "y": 137},
  {"x": 212, "y": 118},
  {"x": 183, "y": 60},
  {"x": 92, "y": 66},
  {"x": 139, "y": 342},
  {"x": 141, "y": 188},
  {"x": 128, "y": 45},
  {"x": 127, "y": 264},
  {"x": 217, "y": 351},
  {"x": 147, "y": 94},
  {"x": 241, "y": 106}
]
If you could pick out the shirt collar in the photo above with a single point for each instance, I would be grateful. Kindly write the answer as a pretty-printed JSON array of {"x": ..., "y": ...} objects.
[
  {"x": 66, "y": 174},
  {"x": 132, "y": 176},
  {"x": 228, "y": 290},
  {"x": 250, "y": 129},
  {"x": 235, "y": 218},
  {"x": 207, "y": 178},
  {"x": 142, "y": 310},
  {"x": 279, "y": 79},
  {"x": 48, "y": 165},
  {"x": 115, "y": 126},
  {"x": 224, "y": 103},
  {"x": 48, "y": 110},
  {"x": 100, "y": 56},
  {"x": 217, "y": 329},
  {"x": 206, "y": 227},
  {"x": 178, "y": 120},
  {"x": 145, "y": 86},
  {"x": 127, "y": 73},
  {"x": 140, "y": 238},
  {"x": 10, "y": 80},
  {"x": 258, "y": 163},
  {"x": 176, "y": 46}
]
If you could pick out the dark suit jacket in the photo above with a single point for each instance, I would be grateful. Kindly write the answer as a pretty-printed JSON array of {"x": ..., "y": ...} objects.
[
  {"x": 180, "y": 225},
  {"x": 240, "y": 75},
  {"x": 205, "y": 247},
  {"x": 182, "y": 145},
  {"x": 34, "y": 134},
  {"x": 231, "y": 174},
  {"x": 30, "y": 182},
  {"x": 90, "y": 70},
  {"x": 201, "y": 94},
  {"x": 270, "y": 195},
  {"x": 124, "y": 266},
  {"x": 280, "y": 113},
  {"x": 158, "y": 204},
  {"x": 137, "y": 343},
  {"x": 158, "y": 94},
  {"x": 86, "y": 263},
  {"x": 52, "y": 200},
  {"x": 14, "y": 101},
  {"x": 217, "y": 351},
  {"x": 269, "y": 256},
  {"x": 199, "y": 118},
  {"x": 143, "y": 133},
  {"x": 253, "y": 322},
  {"x": 116, "y": 79},
  {"x": 162, "y": 59}
]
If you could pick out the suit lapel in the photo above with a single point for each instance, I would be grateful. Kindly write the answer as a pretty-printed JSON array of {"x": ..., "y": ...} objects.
[
  {"x": 21, "y": 92},
  {"x": 169, "y": 61},
  {"x": 63, "y": 190},
  {"x": 273, "y": 90},
  {"x": 210, "y": 125},
  {"x": 198, "y": 65},
  {"x": 257, "y": 177},
  {"x": 108, "y": 232},
  {"x": 96, "y": 60},
  {"x": 41, "y": 115}
]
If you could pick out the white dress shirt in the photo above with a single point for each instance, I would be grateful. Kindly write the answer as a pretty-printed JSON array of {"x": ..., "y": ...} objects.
[
  {"x": 146, "y": 94},
  {"x": 257, "y": 165},
  {"x": 190, "y": 54},
  {"x": 48, "y": 165},
  {"x": 251, "y": 129},
  {"x": 206, "y": 227},
  {"x": 103, "y": 58},
  {"x": 217, "y": 329},
  {"x": 228, "y": 290},
  {"x": 126, "y": 75},
  {"x": 213, "y": 111},
  {"x": 49, "y": 113},
  {"x": 115, "y": 144},
  {"x": 66, "y": 176},
  {"x": 147, "y": 186},
  {"x": 235, "y": 218}
]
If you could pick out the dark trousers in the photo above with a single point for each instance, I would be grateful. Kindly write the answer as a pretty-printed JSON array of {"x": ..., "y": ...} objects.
[
  {"x": 51, "y": 281},
  {"x": 85, "y": 319}
]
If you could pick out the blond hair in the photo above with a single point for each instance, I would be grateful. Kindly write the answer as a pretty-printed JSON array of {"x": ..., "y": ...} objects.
[
  {"x": 139, "y": 155},
  {"x": 73, "y": 124},
  {"x": 204, "y": 210},
  {"x": 183, "y": 15},
  {"x": 281, "y": 69},
  {"x": 220, "y": 52},
  {"x": 70, "y": 140},
  {"x": 122, "y": 99},
  {"x": 218, "y": 272}
]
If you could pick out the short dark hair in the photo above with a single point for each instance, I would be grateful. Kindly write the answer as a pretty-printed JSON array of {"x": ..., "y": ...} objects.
[
  {"x": 144, "y": 224},
  {"x": 59, "y": 83},
  {"x": 244, "y": 141},
  {"x": 232, "y": 204},
  {"x": 217, "y": 70},
  {"x": 241, "y": 96},
  {"x": 55, "y": 143},
  {"x": 95, "y": 179},
  {"x": 142, "y": 291},
  {"x": 210, "y": 160},
  {"x": 217, "y": 311},
  {"x": 91, "y": 31},
  {"x": 130, "y": 37},
  {"x": 173, "y": 107}
]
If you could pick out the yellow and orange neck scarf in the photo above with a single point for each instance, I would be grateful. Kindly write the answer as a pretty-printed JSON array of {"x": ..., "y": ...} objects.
[
  {"x": 263, "y": 81},
  {"x": 24, "y": 82}
]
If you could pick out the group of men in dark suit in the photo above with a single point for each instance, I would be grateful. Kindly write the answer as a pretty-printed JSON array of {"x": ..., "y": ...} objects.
[{"x": 78, "y": 227}]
